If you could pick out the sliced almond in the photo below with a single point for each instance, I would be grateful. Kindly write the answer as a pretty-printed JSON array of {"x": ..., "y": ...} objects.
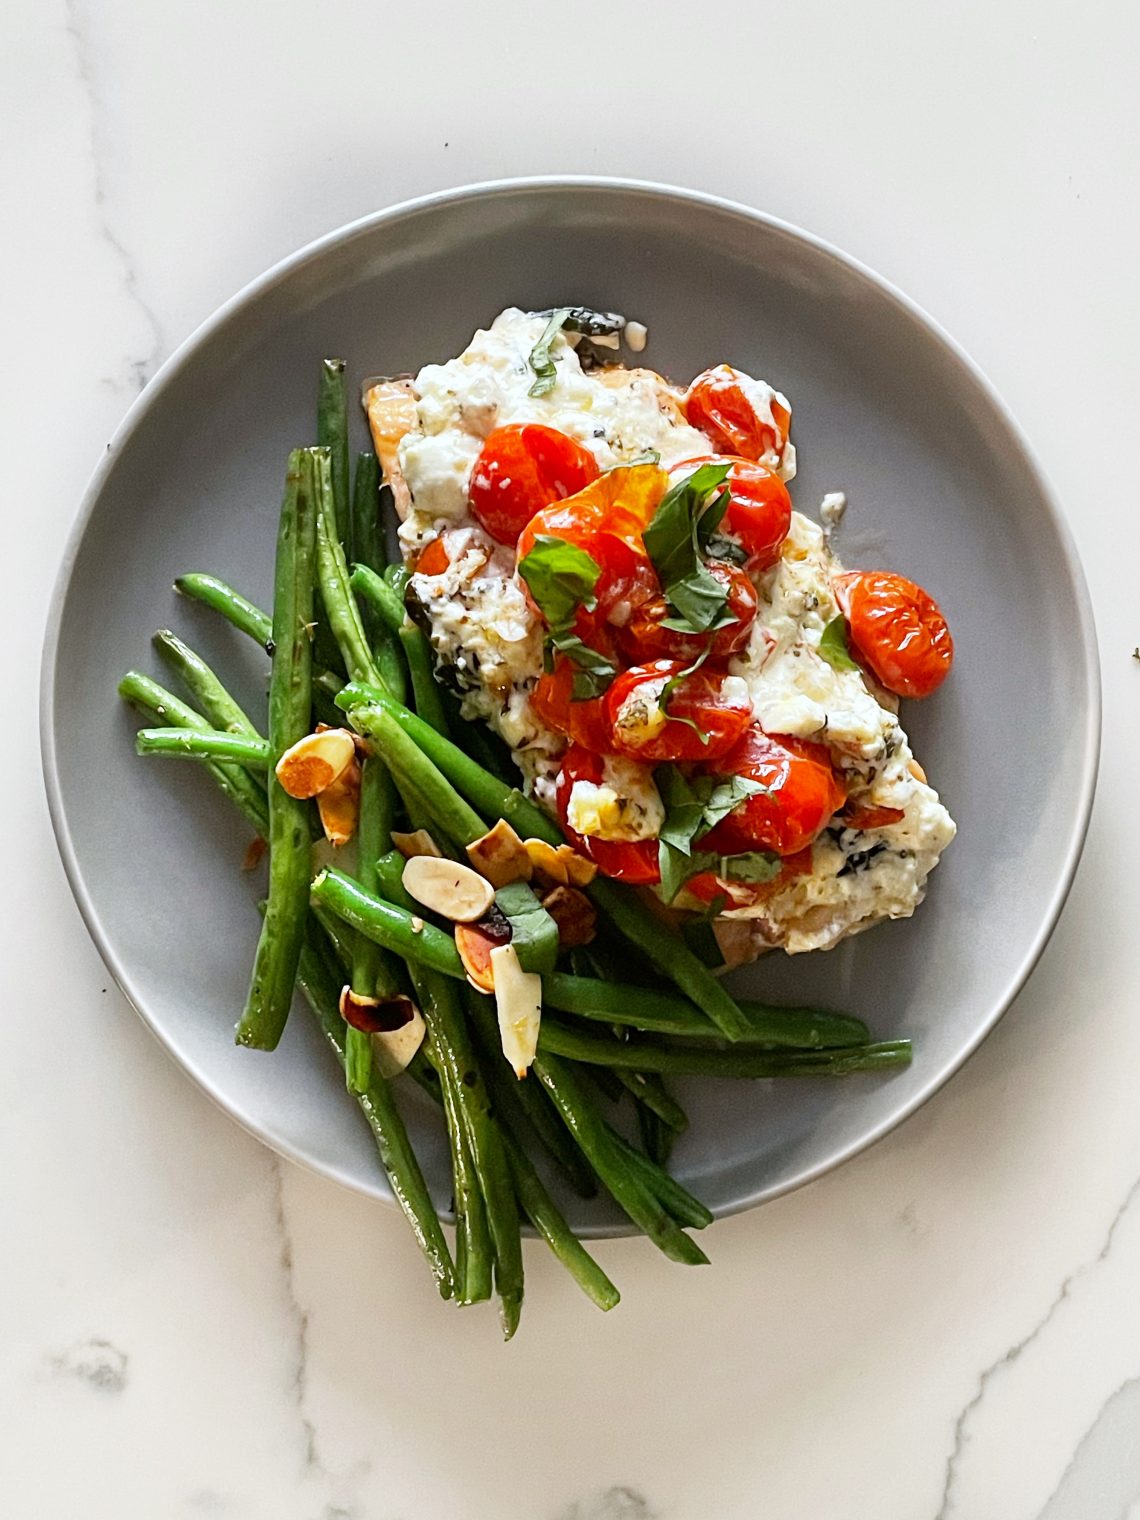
[
  {"x": 501, "y": 856},
  {"x": 339, "y": 806},
  {"x": 475, "y": 943},
  {"x": 447, "y": 887},
  {"x": 311, "y": 765},
  {"x": 418, "y": 842},
  {"x": 575, "y": 915},
  {"x": 916, "y": 770},
  {"x": 580, "y": 870},
  {"x": 518, "y": 1000},
  {"x": 395, "y": 1024},
  {"x": 546, "y": 860}
]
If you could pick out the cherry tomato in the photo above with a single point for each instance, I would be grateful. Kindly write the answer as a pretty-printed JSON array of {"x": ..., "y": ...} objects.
[
  {"x": 718, "y": 404},
  {"x": 702, "y": 722},
  {"x": 897, "y": 630},
  {"x": 759, "y": 509},
  {"x": 433, "y": 560},
  {"x": 634, "y": 861},
  {"x": 802, "y": 792},
  {"x": 644, "y": 637},
  {"x": 522, "y": 468},
  {"x": 583, "y": 722},
  {"x": 708, "y": 886},
  {"x": 627, "y": 576}
]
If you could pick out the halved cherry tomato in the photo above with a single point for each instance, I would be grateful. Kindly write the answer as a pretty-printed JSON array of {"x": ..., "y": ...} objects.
[
  {"x": 702, "y": 721},
  {"x": 897, "y": 629},
  {"x": 708, "y": 886},
  {"x": 718, "y": 404},
  {"x": 634, "y": 861},
  {"x": 433, "y": 560},
  {"x": 856, "y": 817},
  {"x": 801, "y": 794},
  {"x": 584, "y": 722},
  {"x": 627, "y": 575},
  {"x": 759, "y": 508},
  {"x": 644, "y": 638},
  {"x": 521, "y": 469}
]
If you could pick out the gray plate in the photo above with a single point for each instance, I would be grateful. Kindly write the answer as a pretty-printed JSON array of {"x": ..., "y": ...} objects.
[{"x": 941, "y": 486}]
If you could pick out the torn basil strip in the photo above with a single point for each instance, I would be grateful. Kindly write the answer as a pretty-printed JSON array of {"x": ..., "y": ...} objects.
[
  {"x": 541, "y": 359},
  {"x": 561, "y": 578},
  {"x": 833, "y": 645},
  {"x": 677, "y": 540}
]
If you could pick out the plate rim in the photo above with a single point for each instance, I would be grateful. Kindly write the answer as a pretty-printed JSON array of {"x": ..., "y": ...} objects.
[{"x": 171, "y": 368}]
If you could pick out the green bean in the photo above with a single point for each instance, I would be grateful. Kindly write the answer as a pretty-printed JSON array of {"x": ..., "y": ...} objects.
[
  {"x": 474, "y": 1253},
  {"x": 627, "y": 913},
  {"x": 379, "y": 1108},
  {"x": 657, "y": 1011},
  {"x": 526, "y": 1101},
  {"x": 375, "y": 592},
  {"x": 203, "y": 685},
  {"x": 443, "y": 1013},
  {"x": 290, "y": 700},
  {"x": 653, "y": 1055},
  {"x": 406, "y": 760},
  {"x": 332, "y": 434},
  {"x": 367, "y": 544},
  {"x": 160, "y": 706},
  {"x": 674, "y": 1198},
  {"x": 546, "y": 1218},
  {"x": 649, "y": 1091},
  {"x": 397, "y": 576},
  {"x": 372, "y": 972},
  {"x": 425, "y": 690},
  {"x": 613, "y": 1168},
  {"x": 235, "y": 608},
  {"x": 332, "y": 573},
  {"x": 388, "y": 925},
  {"x": 203, "y": 744},
  {"x": 656, "y": 1136}
]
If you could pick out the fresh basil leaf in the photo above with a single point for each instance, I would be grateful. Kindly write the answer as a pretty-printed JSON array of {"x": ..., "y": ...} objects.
[
  {"x": 534, "y": 934},
  {"x": 726, "y": 796},
  {"x": 757, "y": 866},
  {"x": 593, "y": 672},
  {"x": 561, "y": 578},
  {"x": 675, "y": 539},
  {"x": 677, "y": 867},
  {"x": 586, "y": 320},
  {"x": 694, "y": 805},
  {"x": 541, "y": 360},
  {"x": 833, "y": 645},
  {"x": 728, "y": 549}
]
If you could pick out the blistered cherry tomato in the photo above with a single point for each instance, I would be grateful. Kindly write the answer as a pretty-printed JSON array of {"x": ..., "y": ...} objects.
[
  {"x": 520, "y": 470},
  {"x": 708, "y": 886},
  {"x": 433, "y": 560},
  {"x": 584, "y": 722},
  {"x": 627, "y": 576},
  {"x": 703, "y": 720},
  {"x": 801, "y": 793},
  {"x": 645, "y": 638},
  {"x": 897, "y": 630},
  {"x": 759, "y": 509},
  {"x": 634, "y": 861},
  {"x": 718, "y": 404}
]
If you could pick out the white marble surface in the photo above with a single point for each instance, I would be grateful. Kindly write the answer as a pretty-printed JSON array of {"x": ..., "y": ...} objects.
[{"x": 950, "y": 1326}]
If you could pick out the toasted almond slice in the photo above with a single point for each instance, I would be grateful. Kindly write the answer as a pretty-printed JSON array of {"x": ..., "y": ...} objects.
[
  {"x": 447, "y": 887},
  {"x": 418, "y": 842},
  {"x": 475, "y": 943},
  {"x": 916, "y": 770},
  {"x": 315, "y": 762},
  {"x": 574, "y": 914},
  {"x": 395, "y": 1024},
  {"x": 579, "y": 870},
  {"x": 518, "y": 999},
  {"x": 546, "y": 860},
  {"x": 501, "y": 856},
  {"x": 339, "y": 806}
]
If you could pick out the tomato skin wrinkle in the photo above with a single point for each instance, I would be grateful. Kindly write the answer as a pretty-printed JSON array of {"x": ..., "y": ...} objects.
[
  {"x": 585, "y": 723},
  {"x": 897, "y": 629},
  {"x": 522, "y": 468},
  {"x": 801, "y": 792},
  {"x": 632, "y": 861},
  {"x": 699, "y": 722},
  {"x": 645, "y": 638},
  {"x": 716, "y": 404},
  {"x": 759, "y": 511},
  {"x": 627, "y": 575}
]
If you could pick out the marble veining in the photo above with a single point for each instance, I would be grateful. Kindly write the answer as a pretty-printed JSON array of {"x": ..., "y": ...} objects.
[
  {"x": 1102, "y": 1480},
  {"x": 1008, "y": 1358},
  {"x": 299, "y": 1321},
  {"x": 617, "y": 1503},
  {"x": 141, "y": 366}
]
